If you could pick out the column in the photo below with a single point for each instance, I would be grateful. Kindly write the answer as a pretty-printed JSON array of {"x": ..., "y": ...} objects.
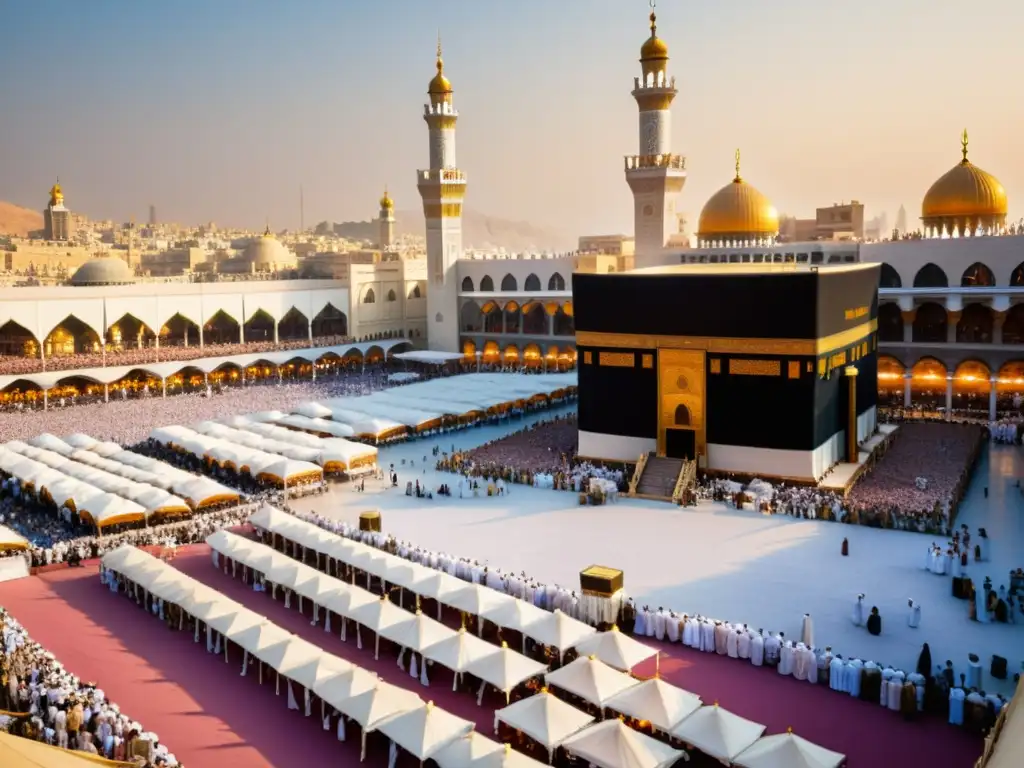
[
  {"x": 163, "y": 381},
  {"x": 949, "y": 397},
  {"x": 551, "y": 322},
  {"x": 998, "y": 318},
  {"x": 243, "y": 377},
  {"x": 851, "y": 415},
  {"x": 908, "y": 326},
  {"x": 908, "y": 379},
  {"x": 992, "y": 382},
  {"x": 275, "y": 332},
  {"x": 310, "y": 326},
  {"x": 952, "y": 318},
  {"x": 106, "y": 393},
  {"x": 46, "y": 399}
]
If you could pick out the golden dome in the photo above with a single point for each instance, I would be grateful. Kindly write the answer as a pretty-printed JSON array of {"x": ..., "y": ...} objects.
[
  {"x": 440, "y": 88},
  {"x": 56, "y": 194},
  {"x": 654, "y": 48},
  {"x": 965, "y": 192},
  {"x": 738, "y": 210},
  {"x": 386, "y": 202}
]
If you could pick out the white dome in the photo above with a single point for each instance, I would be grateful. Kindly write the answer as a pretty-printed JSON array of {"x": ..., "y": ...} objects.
[
  {"x": 267, "y": 249},
  {"x": 103, "y": 271}
]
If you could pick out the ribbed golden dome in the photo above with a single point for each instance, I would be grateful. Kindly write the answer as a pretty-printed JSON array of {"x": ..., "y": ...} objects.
[
  {"x": 56, "y": 194},
  {"x": 965, "y": 192},
  {"x": 386, "y": 202},
  {"x": 738, "y": 210},
  {"x": 440, "y": 88},
  {"x": 654, "y": 48}
]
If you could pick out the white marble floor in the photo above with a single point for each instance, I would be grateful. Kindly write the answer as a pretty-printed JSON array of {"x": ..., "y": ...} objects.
[{"x": 738, "y": 566}]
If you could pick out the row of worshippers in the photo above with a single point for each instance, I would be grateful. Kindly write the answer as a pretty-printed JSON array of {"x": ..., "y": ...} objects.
[
  {"x": 191, "y": 531},
  {"x": 47, "y": 703}
]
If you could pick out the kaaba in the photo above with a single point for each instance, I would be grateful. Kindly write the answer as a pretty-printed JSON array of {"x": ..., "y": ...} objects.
[{"x": 752, "y": 369}]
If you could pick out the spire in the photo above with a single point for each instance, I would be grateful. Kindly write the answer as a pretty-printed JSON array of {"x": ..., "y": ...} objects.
[
  {"x": 654, "y": 18},
  {"x": 963, "y": 145},
  {"x": 738, "y": 178},
  {"x": 440, "y": 61}
]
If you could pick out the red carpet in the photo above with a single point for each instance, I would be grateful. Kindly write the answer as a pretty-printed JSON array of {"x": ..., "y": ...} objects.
[{"x": 211, "y": 716}]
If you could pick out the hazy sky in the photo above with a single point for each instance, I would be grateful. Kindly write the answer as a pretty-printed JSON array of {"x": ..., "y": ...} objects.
[{"x": 221, "y": 109}]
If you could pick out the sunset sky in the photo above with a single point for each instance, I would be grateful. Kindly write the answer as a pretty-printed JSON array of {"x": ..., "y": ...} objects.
[{"x": 221, "y": 109}]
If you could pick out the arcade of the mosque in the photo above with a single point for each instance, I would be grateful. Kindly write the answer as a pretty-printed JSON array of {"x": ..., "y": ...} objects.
[{"x": 950, "y": 314}]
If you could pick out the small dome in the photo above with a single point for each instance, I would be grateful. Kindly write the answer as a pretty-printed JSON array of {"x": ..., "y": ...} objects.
[
  {"x": 440, "y": 88},
  {"x": 965, "y": 196},
  {"x": 108, "y": 270},
  {"x": 386, "y": 202},
  {"x": 738, "y": 211},
  {"x": 654, "y": 48},
  {"x": 267, "y": 249}
]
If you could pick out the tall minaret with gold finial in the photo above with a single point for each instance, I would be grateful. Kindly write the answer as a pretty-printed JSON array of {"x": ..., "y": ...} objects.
[
  {"x": 386, "y": 222},
  {"x": 442, "y": 187},
  {"x": 654, "y": 174}
]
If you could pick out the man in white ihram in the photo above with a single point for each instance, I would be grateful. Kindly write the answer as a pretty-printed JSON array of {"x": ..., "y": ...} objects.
[
  {"x": 858, "y": 611},
  {"x": 914, "y": 617}
]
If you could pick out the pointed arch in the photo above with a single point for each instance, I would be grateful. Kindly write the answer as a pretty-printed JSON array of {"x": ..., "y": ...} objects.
[
  {"x": 471, "y": 318},
  {"x": 977, "y": 275},
  {"x": 221, "y": 328},
  {"x": 17, "y": 341},
  {"x": 415, "y": 292},
  {"x": 493, "y": 317},
  {"x": 330, "y": 321},
  {"x": 929, "y": 375},
  {"x": 890, "y": 322},
  {"x": 556, "y": 282},
  {"x": 467, "y": 284},
  {"x": 509, "y": 283},
  {"x": 369, "y": 297},
  {"x": 511, "y": 353},
  {"x": 468, "y": 349},
  {"x": 931, "y": 276},
  {"x": 486, "y": 284},
  {"x": 392, "y": 296},
  {"x": 1013, "y": 325},
  {"x": 564, "y": 325},
  {"x": 259, "y": 327},
  {"x": 532, "y": 355},
  {"x": 492, "y": 352},
  {"x": 1017, "y": 276},
  {"x": 69, "y": 337},
  {"x": 889, "y": 278},
  {"x": 890, "y": 373},
  {"x": 930, "y": 323},
  {"x": 512, "y": 316},
  {"x": 535, "y": 319},
  {"x": 975, "y": 325},
  {"x": 532, "y": 283},
  {"x": 179, "y": 331},
  {"x": 129, "y": 332},
  {"x": 293, "y": 326}
]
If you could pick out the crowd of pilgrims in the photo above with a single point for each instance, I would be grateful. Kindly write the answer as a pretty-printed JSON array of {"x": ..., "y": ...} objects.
[
  {"x": 139, "y": 355},
  {"x": 542, "y": 455},
  {"x": 42, "y": 700}
]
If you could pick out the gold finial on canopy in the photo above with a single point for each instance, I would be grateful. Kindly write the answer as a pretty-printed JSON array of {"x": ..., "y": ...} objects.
[
  {"x": 440, "y": 89},
  {"x": 963, "y": 145},
  {"x": 738, "y": 177}
]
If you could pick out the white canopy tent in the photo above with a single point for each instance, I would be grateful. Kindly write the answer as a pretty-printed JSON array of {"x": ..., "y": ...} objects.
[
  {"x": 718, "y": 733},
  {"x": 787, "y": 750},
  {"x": 592, "y": 680},
  {"x": 458, "y": 652},
  {"x": 544, "y": 718},
  {"x": 616, "y": 649},
  {"x": 612, "y": 744},
  {"x": 11, "y": 541},
  {"x": 504, "y": 669},
  {"x": 507, "y": 758},
  {"x": 467, "y": 751},
  {"x": 424, "y": 731},
  {"x": 560, "y": 631},
  {"x": 371, "y": 708},
  {"x": 662, "y": 705}
]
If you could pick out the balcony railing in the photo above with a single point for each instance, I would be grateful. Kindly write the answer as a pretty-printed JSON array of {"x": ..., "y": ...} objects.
[{"x": 642, "y": 162}]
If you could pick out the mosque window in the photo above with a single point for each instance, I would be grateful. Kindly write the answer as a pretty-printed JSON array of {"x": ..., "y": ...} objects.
[
  {"x": 556, "y": 282},
  {"x": 532, "y": 283},
  {"x": 486, "y": 284},
  {"x": 415, "y": 292},
  {"x": 369, "y": 297},
  {"x": 889, "y": 278},
  {"x": 392, "y": 296},
  {"x": 467, "y": 284},
  {"x": 817, "y": 257},
  {"x": 508, "y": 283}
]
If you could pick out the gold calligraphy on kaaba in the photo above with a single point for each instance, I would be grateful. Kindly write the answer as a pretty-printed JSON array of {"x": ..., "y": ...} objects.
[
  {"x": 855, "y": 313},
  {"x": 647, "y": 360},
  {"x": 617, "y": 359},
  {"x": 716, "y": 365},
  {"x": 755, "y": 368},
  {"x": 588, "y": 358},
  {"x": 794, "y": 369}
]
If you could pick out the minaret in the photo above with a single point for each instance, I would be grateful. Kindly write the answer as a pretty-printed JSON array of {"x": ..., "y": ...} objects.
[
  {"x": 655, "y": 175},
  {"x": 442, "y": 187},
  {"x": 386, "y": 222}
]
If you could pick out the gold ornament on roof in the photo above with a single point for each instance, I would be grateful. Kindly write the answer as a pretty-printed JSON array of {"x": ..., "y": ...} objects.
[
  {"x": 386, "y": 202},
  {"x": 654, "y": 48},
  {"x": 56, "y": 194},
  {"x": 440, "y": 88},
  {"x": 738, "y": 211},
  {"x": 965, "y": 198}
]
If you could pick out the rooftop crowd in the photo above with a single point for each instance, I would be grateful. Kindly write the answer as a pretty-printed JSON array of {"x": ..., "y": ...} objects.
[
  {"x": 46, "y": 702},
  {"x": 142, "y": 355}
]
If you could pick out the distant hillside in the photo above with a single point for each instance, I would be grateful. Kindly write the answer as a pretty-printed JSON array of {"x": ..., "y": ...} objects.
[
  {"x": 478, "y": 231},
  {"x": 15, "y": 220}
]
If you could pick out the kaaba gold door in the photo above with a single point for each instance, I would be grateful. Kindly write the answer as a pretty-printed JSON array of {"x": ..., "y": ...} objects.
[{"x": 681, "y": 392}]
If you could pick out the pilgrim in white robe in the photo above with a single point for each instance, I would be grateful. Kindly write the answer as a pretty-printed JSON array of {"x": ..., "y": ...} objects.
[
  {"x": 807, "y": 631},
  {"x": 672, "y": 627},
  {"x": 980, "y": 603},
  {"x": 799, "y": 661},
  {"x": 787, "y": 659},
  {"x": 918, "y": 680},
  {"x": 772, "y": 649},
  {"x": 650, "y": 622},
  {"x": 810, "y": 666},
  {"x": 858, "y": 611},
  {"x": 837, "y": 674},
  {"x": 690, "y": 632},
  {"x": 757, "y": 649},
  {"x": 895, "y": 691},
  {"x": 639, "y": 626},
  {"x": 732, "y": 643},
  {"x": 707, "y": 636},
  {"x": 854, "y": 673},
  {"x": 721, "y": 638},
  {"x": 743, "y": 649},
  {"x": 883, "y": 696},
  {"x": 956, "y": 706},
  {"x": 659, "y": 624},
  {"x": 914, "y": 618}
]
